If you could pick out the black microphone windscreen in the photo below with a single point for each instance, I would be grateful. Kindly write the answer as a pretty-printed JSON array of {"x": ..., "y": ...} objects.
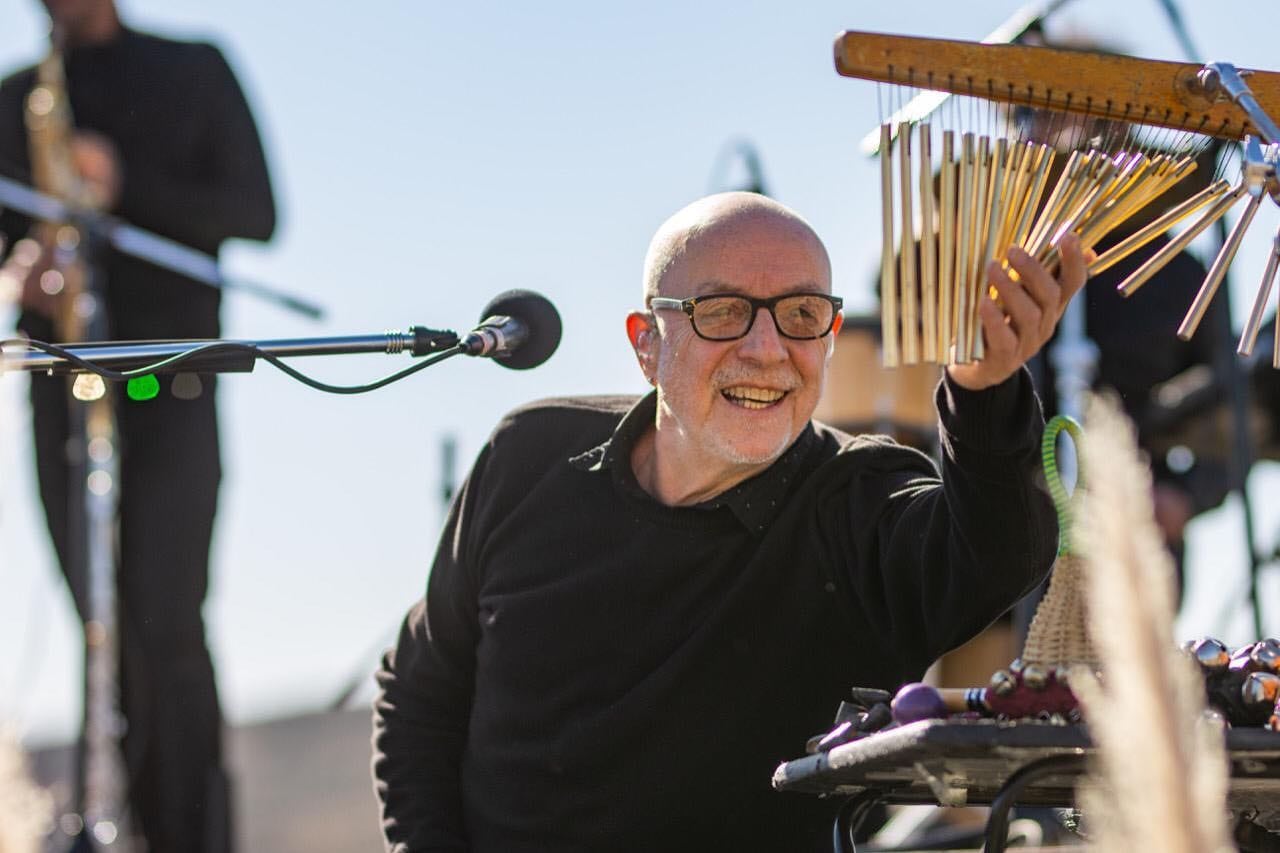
[{"x": 538, "y": 315}]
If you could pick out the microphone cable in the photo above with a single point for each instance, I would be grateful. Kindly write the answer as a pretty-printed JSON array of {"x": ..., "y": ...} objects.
[{"x": 218, "y": 347}]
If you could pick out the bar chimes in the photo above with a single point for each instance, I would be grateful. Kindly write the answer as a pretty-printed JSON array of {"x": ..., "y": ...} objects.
[{"x": 992, "y": 193}]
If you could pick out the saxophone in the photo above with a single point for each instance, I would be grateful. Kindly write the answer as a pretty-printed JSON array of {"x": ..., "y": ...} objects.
[
  {"x": 79, "y": 315},
  {"x": 49, "y": 133}
]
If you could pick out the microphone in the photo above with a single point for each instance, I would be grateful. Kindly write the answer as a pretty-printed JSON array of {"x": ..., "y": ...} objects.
[{"x": 519, "y": 329}]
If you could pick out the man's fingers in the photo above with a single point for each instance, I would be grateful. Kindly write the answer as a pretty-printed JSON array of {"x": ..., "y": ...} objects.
[
  {"x": 1000, "y": 351},
  {"x": 1037, "y": 280},
  {"x": 1025, "y": 314},
  {"x": 1074, "y": 266},
  {"x": 1030, "y": 306},
  {"x": 1001, "y": 342}
]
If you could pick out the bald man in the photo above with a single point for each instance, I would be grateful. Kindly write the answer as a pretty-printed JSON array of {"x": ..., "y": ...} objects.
[{"x": 640, "y": 607}]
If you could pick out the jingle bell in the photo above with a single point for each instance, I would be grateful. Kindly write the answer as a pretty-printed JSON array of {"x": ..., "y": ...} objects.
[
  {"x": 1002, "y": 683},
  {"x": 1211, "y": 654},
  {"x": 1035, "y": 677}
]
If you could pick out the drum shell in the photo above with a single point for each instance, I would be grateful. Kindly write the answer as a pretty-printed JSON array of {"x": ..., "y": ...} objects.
[{"x": 864, "y": 396}]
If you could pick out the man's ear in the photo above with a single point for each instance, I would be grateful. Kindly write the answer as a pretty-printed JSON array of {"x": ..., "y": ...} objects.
[{"x": 644, "y": 342}]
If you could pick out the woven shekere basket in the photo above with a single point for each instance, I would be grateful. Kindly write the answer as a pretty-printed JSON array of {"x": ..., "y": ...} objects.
[{"x": 1058, "y": 637}]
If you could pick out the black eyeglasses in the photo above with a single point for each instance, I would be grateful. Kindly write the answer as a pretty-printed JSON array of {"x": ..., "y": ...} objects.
[{"x": 722, "y": 317}]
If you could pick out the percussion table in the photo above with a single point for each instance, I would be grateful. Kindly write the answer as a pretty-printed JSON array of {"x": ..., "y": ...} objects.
[{"x": 988, "y": 762}]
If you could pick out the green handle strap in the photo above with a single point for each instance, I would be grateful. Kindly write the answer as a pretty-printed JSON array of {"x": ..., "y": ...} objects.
[{"x": 1049, "y": 454}]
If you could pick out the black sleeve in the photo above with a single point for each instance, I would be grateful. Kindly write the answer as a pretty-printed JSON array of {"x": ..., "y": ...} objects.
[
  {"x": 426, "y": 685},
  {"x": 230, "y": 195},
  {"x": 943, "y": 558}
]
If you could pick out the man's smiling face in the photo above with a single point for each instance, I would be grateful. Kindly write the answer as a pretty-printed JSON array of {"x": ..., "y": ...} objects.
[{"x": 740, "y": 402}]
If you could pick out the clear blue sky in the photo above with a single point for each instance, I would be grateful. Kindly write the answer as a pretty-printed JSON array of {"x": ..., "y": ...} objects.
[{"x": 429, "y": 155}]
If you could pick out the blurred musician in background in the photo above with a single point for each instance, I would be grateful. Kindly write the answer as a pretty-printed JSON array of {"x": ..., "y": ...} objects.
[
  {"x": 165, "y": 140},
  {"x": 639, "y": 607}
]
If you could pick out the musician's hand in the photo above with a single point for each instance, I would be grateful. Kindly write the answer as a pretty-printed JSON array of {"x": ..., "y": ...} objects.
[
  {"x": 98, "y": 162},
  {"x": 1029, "y": 310},
  {"x": 26, "y": 267}
]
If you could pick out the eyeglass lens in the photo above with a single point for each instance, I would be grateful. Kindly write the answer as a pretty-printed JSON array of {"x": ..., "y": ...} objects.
[{"x": 724, "y": 317}]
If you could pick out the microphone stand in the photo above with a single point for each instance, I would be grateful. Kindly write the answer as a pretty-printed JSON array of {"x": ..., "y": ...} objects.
[
  {"x": 519, "y": 329},
  {"x": 221, "y": 355}
]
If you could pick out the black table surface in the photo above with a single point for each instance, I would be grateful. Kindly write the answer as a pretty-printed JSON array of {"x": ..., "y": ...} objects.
[{"x": 967, "y": 761}]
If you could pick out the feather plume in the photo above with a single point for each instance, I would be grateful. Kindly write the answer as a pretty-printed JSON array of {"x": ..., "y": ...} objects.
[
  {"x": 25, "y": 810},
  {"x": 1160, "y": 780}
]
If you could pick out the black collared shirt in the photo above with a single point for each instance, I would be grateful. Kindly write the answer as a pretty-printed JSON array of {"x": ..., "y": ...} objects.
[
  {"x": 593, "y": 670},
  {"x": 754, "y": 502}
]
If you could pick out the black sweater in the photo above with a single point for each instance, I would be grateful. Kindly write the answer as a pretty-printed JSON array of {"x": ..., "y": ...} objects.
[
  {"x": 192, "y": 164},
  {"x": 594, "y": 671}
]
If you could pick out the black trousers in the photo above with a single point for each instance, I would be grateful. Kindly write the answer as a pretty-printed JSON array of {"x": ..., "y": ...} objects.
[{"x": 168, "y": 486}]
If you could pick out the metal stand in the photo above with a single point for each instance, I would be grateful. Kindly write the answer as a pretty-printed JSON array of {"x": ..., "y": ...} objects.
[
  {"x": 104, "y": 776},
  {"x": 1221, "y": 80},
  {"x": 101, "y": 801},
  {"x": 1242, "y": 451}
]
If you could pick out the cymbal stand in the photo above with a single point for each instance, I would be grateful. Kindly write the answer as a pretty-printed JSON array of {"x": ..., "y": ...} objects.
[{"x": 1222, "y": 81}]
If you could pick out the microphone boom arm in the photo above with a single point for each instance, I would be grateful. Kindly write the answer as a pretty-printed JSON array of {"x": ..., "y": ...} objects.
[
  {"x": 214, "y": 355},
  {"x": 519, "y": 329}
]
